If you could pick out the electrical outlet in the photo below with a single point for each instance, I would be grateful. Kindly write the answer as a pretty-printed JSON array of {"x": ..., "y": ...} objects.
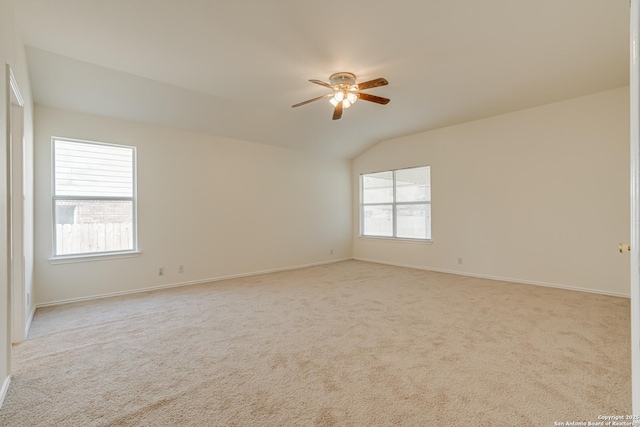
[
  {"x": 331, "y": 252},
  {"x": 459, "y": 260},
  {"x": 181, "y": 269},
  {"x": 28, "y": 299},
  {"x": 161, "y": 271}
]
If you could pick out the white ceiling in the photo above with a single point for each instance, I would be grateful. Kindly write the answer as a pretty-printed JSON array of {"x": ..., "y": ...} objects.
[{"x": 234, "y": 68}]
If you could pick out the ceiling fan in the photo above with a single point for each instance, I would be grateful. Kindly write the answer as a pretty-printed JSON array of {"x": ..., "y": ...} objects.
[{"x": 346, "y": 92}]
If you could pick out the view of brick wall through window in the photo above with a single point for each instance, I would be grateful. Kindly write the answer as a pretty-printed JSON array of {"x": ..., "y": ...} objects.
[{"x": 93, "y": 212}]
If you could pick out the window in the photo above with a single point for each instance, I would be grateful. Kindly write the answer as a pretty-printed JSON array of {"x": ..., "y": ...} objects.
[
  {"x": 396, "y": 203},
  {"x": 94, "y": 204}
]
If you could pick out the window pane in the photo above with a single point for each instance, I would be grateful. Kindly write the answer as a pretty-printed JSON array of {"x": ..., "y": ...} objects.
[
  {"x": 414, "y": 221},
  {"x": 93, "y": 170},
  {"x": 413, "y": 185},
  {"x": 377, "y": 221},
  {"x": 94, "y": 226},
  {"x": 377, "y": 187}
]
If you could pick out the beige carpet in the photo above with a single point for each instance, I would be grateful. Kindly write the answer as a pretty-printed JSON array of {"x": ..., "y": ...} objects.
[{"x": 346, "y": 344}]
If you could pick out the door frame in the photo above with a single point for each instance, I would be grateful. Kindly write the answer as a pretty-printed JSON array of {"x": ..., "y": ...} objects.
[
  {"x": 15, "y": 208},
  {"x": 634, "y": 87}
]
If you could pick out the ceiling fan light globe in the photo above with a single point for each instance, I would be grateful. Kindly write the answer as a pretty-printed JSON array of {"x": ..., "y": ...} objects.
[
  {"x": 352, "y": 97},
  {"x": 346, "y": 103},
  {"x": 339, "y": 96},
  {"x": 333, "y": 101}
]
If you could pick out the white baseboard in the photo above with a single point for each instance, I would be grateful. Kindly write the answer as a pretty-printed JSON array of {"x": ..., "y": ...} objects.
[
  {"x": 4, "y": 390},
  {"x": 28, "y": 325},
  {"x": 296, "y": 267},
  {"x": 501, "y": 279},
  {"x": 195, "y": 282}
]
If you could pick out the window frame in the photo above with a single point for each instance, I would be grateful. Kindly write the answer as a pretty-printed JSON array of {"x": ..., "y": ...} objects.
[
  {"x": 394, "y": 207},
  {"x": 133, "y": 199}
]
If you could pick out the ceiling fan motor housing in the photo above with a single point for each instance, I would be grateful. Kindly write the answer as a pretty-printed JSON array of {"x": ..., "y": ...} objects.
[{"x": 346, "y": 79}]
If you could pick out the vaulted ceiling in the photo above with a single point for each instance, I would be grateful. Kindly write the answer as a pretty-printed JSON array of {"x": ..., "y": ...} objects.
[{"x": 234, "y": 68}]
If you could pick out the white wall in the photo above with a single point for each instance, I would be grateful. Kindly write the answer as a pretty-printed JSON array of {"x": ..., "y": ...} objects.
[
  {"x": 218, "y": 206},
  {"x": 12, "y": 53},
  {"x": 540, "y": 195}
]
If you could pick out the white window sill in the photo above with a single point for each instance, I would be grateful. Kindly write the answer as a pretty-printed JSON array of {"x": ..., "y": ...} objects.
[
  {"x": 67, "y": 259},
  {"x": 399, "y": 239}
]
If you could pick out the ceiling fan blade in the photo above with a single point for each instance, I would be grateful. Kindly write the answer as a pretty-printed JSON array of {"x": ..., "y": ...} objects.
[
  {"x": 373, "y": 98},
  {"x": 337, "y": 112},
  {"x": 373, "y": 83},
  {"x": 321, "y": 83},
  {"x": 311, "y": 100}
]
